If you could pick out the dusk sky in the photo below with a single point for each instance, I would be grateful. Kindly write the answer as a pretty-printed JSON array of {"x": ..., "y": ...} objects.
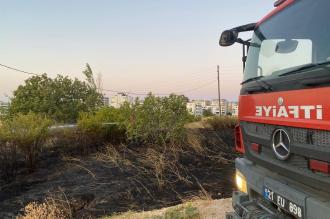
[{"x": 161, "y": 46}]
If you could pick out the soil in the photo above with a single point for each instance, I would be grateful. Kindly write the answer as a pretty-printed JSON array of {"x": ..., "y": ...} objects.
[{"x": 94, "y": 188}]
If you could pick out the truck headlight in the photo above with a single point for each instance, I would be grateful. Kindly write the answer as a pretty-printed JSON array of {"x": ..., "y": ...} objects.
[{"x": 241, "y": 182}]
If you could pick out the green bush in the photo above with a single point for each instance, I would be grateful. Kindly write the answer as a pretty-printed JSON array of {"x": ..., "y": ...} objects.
[
  {"x": 101, "y": 127},
  {"x": 27, "y": 133},
  {"x": 158, "y": 120}
]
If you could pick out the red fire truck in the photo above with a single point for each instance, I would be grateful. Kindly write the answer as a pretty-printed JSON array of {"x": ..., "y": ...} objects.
[{"x": 284, "y": 116}]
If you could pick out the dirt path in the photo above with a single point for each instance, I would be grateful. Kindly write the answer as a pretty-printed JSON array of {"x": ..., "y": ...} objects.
[{"x": 214, "y": 209}]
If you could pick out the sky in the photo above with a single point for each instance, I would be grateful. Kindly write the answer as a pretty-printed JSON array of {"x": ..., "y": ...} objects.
[{"x": 162, "y": 46}]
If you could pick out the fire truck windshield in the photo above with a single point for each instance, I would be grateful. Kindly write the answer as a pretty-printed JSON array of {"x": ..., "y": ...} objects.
[{"x": 296, "y": 37}]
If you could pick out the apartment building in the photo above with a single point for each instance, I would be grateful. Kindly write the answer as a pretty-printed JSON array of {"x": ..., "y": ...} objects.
[
  {"x": 119, "y": 99},
  {"x": 3, "y": 107},
  {"x": 105, "y": 100},
  {"x": 197, "y": 107},
  {"x": 202, "y": 103},
  {"x": 215, "y": 106},
  {"x": 232, "y": 108}
]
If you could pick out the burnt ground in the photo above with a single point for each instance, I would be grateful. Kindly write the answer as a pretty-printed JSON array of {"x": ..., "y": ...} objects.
[{"x": 96, "y": 187}]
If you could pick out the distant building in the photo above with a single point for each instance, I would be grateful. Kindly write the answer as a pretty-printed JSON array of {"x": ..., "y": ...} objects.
[
  {"x": 4, "y": 104},
  {"x": 119, "y": 99},
  {"x": 215, "y": 110},
  {"x": 233, "y": 108},
  {"x": 215, "y": 106},
  {"x": 105, "y": 100},
  {"x": 3, "y": 107},
  {"x": 195, "y": 109},
  {"x": 202, "y": 103}
]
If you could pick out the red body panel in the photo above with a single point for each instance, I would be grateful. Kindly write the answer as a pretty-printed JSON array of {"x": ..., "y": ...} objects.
[{"x": 316, "y": 96}]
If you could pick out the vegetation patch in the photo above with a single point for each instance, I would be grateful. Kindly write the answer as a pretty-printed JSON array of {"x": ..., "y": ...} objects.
[{"x": 141, "y": 156}]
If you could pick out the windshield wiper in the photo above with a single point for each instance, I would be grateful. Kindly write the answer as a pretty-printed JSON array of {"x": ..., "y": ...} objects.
[
  {"x": 262, "y": 84},
  {"x": 304, "y": 67}
]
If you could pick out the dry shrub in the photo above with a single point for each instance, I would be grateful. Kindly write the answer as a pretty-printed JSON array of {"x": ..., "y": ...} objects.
[
  {"x": 223, "y": 122},
  {"x": 158, "y": 164},
  {"x": 111, "y": 154},
  {"x": 224, "y": 127},
  {"x": 195, "y": 142},
  {"x": 163, "y": 166},
  {"x": 51, "y": 208}
]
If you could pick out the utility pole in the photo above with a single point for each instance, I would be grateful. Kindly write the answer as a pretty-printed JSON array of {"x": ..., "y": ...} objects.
[{"x": 219, "y": 98}]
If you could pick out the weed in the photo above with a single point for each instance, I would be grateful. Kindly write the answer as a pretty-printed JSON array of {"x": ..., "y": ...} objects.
[
  {"x": 111, "y": 154},
  {"x": 51, "y": 208}
]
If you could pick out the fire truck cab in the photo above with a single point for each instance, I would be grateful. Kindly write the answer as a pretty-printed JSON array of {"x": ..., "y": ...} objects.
[{"x": 284, "y": 114}]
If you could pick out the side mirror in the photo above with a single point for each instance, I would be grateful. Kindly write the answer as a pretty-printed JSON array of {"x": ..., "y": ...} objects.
[{"x": 228, "y": 38}]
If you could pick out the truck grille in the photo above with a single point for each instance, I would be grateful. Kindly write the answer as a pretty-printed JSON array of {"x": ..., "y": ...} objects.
[
  {"x": 305, "y": 144},
  {"x": 299, "y": 135}
]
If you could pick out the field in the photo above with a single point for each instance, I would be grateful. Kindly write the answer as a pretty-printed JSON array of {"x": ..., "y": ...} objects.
[{"x": 121, "y": 177}]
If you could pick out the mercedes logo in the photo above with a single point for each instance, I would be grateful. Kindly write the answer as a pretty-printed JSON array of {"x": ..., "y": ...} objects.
[
  {"x": 280, "y": 100},
  {"x": 281, "y": 144}
]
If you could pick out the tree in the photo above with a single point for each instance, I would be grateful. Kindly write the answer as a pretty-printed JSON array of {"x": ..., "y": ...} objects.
[
  {"x": 89, "y": 76},
  {"x": 61, "y": 98}
]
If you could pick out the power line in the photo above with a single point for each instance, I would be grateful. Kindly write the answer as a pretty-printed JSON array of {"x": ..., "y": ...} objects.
[
  {"x": 119, "y": 91},
  {"x": 16, "y": 69},
  {"x": 161, "y": 94},
  {"x": 132, "y": 93}
]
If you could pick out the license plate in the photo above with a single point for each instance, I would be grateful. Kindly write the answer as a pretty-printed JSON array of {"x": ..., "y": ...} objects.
[{"x": 282, "y": 202}]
